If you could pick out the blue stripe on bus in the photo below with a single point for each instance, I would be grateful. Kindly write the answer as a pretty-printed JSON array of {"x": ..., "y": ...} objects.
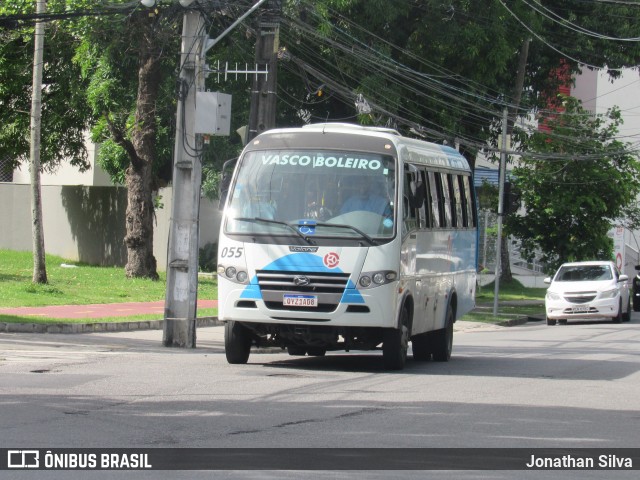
[
  {"x": 303, "y": 262},
  {"x": 252, "y": 291},
  {"x": 351, "y": 295}
]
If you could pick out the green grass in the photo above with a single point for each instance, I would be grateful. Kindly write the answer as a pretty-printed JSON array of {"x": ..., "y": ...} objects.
[
  {"x": 80, "y": 285},
  {"x": 513, "y": 290},
  {"x": 504, "y": 313},
  {"x": 88, "y": 284},
  {"x": 531, "y": 302}
]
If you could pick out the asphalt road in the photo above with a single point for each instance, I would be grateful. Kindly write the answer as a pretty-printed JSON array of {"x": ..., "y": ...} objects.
[{"x": 530, "y": 386}]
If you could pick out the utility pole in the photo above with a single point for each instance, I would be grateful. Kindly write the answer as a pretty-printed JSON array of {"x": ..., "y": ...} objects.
[
  {"x": 262, "y": 114},
  {"x": 503, "y": 166},
  {"x": 182, "y": 256},
  {"x": 37, "y": 230},
  {"x": 505, "y": 273}
]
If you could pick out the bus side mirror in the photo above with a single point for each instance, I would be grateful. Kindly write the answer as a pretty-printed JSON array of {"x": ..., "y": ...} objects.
[{"x": 225, "y": 181}]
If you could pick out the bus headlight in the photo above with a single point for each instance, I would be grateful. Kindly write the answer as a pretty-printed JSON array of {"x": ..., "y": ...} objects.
[
  {"x": 374, "y": 279},
  {"x": 233, "y": 274}
]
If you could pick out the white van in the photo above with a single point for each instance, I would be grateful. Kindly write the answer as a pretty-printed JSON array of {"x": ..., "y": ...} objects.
[{"x": 342, "y": 237}]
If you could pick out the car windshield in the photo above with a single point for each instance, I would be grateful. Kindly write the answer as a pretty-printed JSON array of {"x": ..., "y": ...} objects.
[
  {"x": 583, "y": 273},
  {"x": 321, "y": 194}
]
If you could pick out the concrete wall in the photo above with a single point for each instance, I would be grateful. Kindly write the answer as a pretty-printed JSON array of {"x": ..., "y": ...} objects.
[
  {"x": 65, "y": 174},
  {"x": 87, "y": 224}
]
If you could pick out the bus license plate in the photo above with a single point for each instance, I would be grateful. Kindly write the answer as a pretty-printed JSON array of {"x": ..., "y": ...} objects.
[{"x": 300, "y": 300}]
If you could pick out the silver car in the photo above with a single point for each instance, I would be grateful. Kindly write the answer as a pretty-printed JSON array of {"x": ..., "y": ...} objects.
[{"x": 587, "y": 290}]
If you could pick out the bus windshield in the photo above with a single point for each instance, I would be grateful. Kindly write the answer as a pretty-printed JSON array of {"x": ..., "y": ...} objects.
[{"x": 321, "y": 194}]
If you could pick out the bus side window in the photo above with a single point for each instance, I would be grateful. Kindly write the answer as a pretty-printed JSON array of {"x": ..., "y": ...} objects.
[
  {"x": 445, "y": 199},
  {"x": 469, "y": 196},
  {"x": 437, "y": 214},
  {"x": 425, "y": 211},
  {"x": 410, "y": 215},
  {"x": 455, "y": 220},
  {"x": 461, "y": 209}
]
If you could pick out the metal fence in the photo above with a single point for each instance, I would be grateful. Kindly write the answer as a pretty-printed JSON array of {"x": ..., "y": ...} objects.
[
  {"x": 6, "y": 170},
  {"x": 488, "y": 229}
]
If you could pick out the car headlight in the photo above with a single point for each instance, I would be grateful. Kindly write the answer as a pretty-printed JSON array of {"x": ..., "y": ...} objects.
[
  {"x": 609, "y": 293},
  {"x": 552, "y": 296}
]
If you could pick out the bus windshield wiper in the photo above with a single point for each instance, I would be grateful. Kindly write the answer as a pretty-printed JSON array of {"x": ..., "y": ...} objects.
[
  {"x": 369, "y": 240},
  {"x": 276, "y": 222}
]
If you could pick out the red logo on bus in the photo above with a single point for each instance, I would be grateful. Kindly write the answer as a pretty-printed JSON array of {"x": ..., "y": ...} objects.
[{"x": 331, "y": 260}]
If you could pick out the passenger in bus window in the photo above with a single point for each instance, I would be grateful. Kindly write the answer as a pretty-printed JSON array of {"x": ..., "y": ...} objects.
[{"x": 368, "y": 196}]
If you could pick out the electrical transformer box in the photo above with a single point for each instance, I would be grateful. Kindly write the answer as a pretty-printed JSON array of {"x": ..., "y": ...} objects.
[{"x": 213, "y": 113}]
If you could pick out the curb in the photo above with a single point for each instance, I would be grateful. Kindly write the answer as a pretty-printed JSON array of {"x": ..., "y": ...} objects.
[
  {"x": 96, "y": 327},
  {"x": 513, "y": 322},
  {"x": 114, "y": 327},
  {"x": 152, "y": 325}
]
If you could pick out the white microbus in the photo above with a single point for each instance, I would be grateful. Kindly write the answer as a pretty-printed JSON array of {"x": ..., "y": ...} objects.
[{"x": 342, "y": 237}]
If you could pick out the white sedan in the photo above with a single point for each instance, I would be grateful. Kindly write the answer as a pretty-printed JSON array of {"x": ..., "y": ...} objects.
[{"x": 587, "y": 290}]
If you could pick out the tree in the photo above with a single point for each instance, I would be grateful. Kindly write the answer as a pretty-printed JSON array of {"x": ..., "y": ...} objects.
[
  {"x": 65, "y": 113},
  {"x": 128, "y": 66},
  {"x": 131, "y": 69},
  {"x": 54, "y": 110},
  {"x": 574, "y": 182}
]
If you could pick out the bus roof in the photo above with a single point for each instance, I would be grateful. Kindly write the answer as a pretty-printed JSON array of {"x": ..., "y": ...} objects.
[{"x": 409, "y": 149}]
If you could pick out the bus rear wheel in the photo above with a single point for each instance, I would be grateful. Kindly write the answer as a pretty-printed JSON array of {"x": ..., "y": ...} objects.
[
  {"x": 296, "y": 351},
  {"x": 237, "y": 343},
  {"x": 421, "y": 347},
  {"x": 442, "y": 340}
]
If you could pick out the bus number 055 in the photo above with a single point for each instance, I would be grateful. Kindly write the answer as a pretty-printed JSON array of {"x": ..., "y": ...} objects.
[{"x": 231, "y": 252}]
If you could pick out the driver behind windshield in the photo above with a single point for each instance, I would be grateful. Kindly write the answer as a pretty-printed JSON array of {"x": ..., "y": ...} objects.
[{"x": 369, "y": 196}]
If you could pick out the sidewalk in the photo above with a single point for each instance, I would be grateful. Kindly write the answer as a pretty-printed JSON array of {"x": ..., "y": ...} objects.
[{"x": 97, "y": 311}]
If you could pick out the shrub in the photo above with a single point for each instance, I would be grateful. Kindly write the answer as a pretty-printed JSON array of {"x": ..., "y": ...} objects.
[{"x": 208, "y": 258}]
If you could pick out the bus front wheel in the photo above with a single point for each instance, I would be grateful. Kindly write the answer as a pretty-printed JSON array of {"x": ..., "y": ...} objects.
[
  {"x": 237, "y": 343},
  {"x": 395, "y": 343}
]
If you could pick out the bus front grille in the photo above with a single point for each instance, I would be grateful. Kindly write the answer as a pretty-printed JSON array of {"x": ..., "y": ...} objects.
[
  {"x": 328, "y": 287},
  {"x": 302, "y": 282}
]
